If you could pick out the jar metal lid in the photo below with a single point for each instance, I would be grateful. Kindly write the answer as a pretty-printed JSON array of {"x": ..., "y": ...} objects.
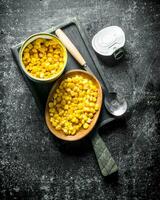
[{"x": 108, "y": 40}]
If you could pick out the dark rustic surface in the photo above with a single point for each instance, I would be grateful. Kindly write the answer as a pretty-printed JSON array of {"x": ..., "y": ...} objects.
[{"x": 34, "y": 165}]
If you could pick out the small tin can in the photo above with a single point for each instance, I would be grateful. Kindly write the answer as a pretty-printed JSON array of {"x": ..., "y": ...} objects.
[{"x": 109, "y": 42}]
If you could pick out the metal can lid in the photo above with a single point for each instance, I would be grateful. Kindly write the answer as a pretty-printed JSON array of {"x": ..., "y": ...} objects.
[{"x": 108, "y": 40}]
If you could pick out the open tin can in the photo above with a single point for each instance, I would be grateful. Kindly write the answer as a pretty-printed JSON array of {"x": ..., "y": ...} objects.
[{"x": 109, "y": 42}]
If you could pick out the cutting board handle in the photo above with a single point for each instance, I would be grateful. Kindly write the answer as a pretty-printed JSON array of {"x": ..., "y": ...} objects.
[{"x": 106, "y": 162}]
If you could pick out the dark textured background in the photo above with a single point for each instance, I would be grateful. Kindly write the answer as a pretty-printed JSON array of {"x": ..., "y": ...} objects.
[{"x": 33, "y": 165}]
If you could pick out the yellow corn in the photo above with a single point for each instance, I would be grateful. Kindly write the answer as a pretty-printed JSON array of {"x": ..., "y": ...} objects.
[
  {"x": 40, "y": 53},
  {"x": 74, "y": 104}
]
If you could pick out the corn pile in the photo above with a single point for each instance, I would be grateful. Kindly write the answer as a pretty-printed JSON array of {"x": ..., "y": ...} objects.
[
  {"x": 43, "y": 58},
  {"x": 74, "y": 104}
]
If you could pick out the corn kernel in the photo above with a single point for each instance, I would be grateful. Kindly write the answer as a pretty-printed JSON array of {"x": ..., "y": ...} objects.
[
  {"x": 96, "y": 107},
  {"x": 66, "y": 107},
  {"x": 85, "y": 126},
  {"x": 51, "y": 105}
]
